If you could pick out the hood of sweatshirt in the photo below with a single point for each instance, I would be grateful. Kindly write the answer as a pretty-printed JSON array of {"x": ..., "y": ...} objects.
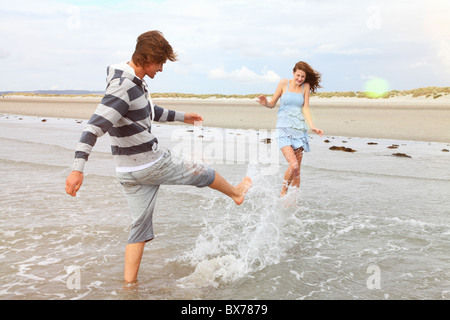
[{"x": 123, "y": 70}]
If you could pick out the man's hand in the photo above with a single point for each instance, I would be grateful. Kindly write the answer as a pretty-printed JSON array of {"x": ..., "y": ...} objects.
[
  {"x": 74, "y": 182},
  {"x": 191, "y": 118}
]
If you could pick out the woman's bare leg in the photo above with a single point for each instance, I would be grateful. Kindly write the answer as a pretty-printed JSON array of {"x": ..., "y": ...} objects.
[
  {"x": 292, "y": 170},
  {"x": 299, "y": 155}
]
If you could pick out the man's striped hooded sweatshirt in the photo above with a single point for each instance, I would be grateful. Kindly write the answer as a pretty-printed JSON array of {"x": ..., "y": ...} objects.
[{"x": 126, "y": 114}]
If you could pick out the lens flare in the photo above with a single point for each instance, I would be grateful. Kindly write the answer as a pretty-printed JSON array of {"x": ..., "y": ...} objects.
[{"x": 376, "y": 88}]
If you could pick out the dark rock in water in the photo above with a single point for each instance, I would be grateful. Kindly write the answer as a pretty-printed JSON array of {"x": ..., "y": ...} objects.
[
  {"x": 43, "y": 120},
  {"x": 401, "y": 155},
  {"x": 445, "y": 150},
  {"x": 266, "y": 140},
  {"x": 326, "y": 141},
  {"x": 342, "y": 149},
  {"x": 372, "y": 143},
  {"x": 394, "y": 146}
]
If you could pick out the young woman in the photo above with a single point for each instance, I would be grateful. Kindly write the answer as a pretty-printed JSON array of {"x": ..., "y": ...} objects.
[{"x": 293, "y": 118}]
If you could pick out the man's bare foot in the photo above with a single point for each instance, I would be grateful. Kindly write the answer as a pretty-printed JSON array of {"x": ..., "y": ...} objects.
[{"x": 242, "y": 189}]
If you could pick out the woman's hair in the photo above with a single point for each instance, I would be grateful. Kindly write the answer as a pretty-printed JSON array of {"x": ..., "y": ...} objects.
[
  {"x": 312, "y": 76},
  {"x": 152, "y": 47}
]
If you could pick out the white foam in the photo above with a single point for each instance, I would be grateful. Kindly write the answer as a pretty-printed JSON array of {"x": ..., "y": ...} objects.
[
  {"x": 238, "y": 241},
  {"x": 224, "y": 269}
]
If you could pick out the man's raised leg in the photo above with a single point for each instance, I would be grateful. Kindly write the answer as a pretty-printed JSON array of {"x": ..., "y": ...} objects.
[{"x": 237, "y": 193}]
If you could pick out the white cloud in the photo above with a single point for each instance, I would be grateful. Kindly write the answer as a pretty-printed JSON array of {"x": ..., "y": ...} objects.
[
  {"x": 294, "y": 53},
  {"x": 366, "y": 77},
  {"x": 419, "y": 64},
  {"x": 243, "y": 75},
  {"x": 4, "y": 53},
  {"x": 76, "y": 40},
  {"x": 350, "y": 51},
  {"x": 444, "y": 53}
]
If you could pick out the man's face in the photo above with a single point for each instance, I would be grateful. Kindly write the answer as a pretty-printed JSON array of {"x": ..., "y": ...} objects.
[{"x": 153, "y": 68}]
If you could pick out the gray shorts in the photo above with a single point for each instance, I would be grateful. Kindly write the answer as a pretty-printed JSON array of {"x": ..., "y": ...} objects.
[{"x": 141, "y": 187}]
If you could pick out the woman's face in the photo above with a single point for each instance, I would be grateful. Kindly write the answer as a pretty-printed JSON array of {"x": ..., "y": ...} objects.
[{"x": 299, "y": 76}]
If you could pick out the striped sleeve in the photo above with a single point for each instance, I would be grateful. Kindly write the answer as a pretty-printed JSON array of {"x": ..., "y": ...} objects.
[
  {"x": 166, "y": 115},
  {"x": 113, "y": 106}
]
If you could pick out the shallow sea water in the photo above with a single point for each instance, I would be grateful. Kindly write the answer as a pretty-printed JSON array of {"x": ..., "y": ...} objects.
[{"x": 364, "y": 225}]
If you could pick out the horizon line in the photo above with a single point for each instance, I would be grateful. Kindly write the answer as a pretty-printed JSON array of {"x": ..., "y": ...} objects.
[{"x": 434, "y": 92}]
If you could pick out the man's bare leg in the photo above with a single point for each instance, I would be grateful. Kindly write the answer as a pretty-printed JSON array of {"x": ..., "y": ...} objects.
[
  {"x": 133, "y": 256},
  {"x": 237, "y": 193},
  {"x": 134, "y": 251}
]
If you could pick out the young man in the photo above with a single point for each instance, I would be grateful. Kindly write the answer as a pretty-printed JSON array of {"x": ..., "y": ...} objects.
[{"x": 126, "y": 113}]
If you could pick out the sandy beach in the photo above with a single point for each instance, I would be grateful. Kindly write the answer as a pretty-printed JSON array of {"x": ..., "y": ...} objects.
[
  {"x": 403, "y": 118},
  {"x": 355, "y": 211}
]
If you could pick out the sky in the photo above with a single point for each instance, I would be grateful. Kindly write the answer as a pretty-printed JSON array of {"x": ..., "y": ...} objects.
[{"x": 227, "y": 46}]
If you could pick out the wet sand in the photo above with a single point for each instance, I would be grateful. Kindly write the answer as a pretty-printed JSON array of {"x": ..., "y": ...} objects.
[{"x": 404, "y": 118}]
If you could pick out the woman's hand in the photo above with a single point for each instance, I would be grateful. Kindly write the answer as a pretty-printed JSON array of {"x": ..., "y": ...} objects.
[
  {"x": 318, "y": 131},
  {"x": 262, "y": 100}
]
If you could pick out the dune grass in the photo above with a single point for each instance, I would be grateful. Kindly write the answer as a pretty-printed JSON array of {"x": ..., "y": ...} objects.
[{"x": 427, "y": 92}]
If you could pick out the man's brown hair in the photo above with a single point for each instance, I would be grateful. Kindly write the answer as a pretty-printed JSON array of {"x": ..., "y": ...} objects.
[{"x": 152, "y": 47}]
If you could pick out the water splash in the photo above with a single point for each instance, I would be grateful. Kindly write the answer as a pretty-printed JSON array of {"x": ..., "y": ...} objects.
[{"x": 236, "y": 241}]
